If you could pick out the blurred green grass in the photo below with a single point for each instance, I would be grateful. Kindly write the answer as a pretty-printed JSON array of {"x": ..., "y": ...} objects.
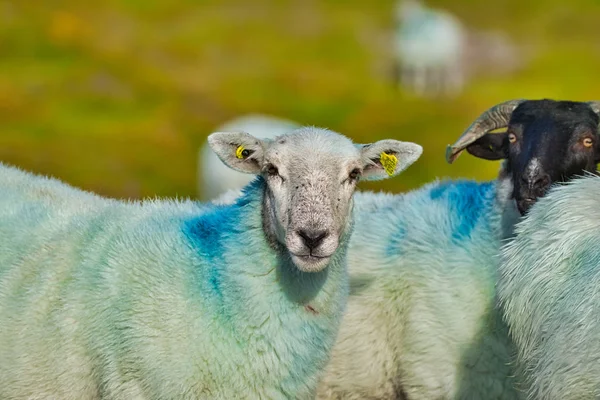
[{"x": 117, "y": 96}]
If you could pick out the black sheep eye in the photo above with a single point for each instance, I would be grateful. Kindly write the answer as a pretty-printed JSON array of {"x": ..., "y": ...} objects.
[
  {"x": 272, "y": 170},
  {"x": 354, "y": 174}
]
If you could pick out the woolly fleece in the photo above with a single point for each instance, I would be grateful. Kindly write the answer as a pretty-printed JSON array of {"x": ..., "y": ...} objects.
[
  {"x": 155, "y": 300},
  {"x": 422, "y": 320},
  {"x": 550, "y": 290}
]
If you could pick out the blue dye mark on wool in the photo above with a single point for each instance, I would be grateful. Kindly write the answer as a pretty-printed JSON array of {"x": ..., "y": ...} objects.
[
  {"x": 395, "y": 239},
  {"x": 252, "y": 191},
  {"x": 438, "y": 191},
  {"x": 466, "y": 201},
  {"x": 209, "y": 232}
]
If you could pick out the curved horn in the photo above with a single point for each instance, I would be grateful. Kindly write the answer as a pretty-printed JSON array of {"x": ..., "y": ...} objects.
[
  {"x": 494, "y": 118},
  {"x": 595, "y": 106}
]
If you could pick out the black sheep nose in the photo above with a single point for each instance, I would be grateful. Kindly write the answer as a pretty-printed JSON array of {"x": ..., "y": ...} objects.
[
  {"x": 535, "y": 182},
  {"x": 312, "y": 238}
]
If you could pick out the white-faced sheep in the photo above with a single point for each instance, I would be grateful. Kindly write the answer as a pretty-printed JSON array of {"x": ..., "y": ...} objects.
[
  {"x": 422, "y": 320},
  {"x": 215, "y": 178},
  {"x": 178, "y": 300},
  {"x": 550, "y": 289}
]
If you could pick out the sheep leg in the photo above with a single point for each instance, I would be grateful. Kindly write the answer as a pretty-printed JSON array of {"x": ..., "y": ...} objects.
[
  {"x": 455, "y": 81},
  {"x": 420, "y": 80}
]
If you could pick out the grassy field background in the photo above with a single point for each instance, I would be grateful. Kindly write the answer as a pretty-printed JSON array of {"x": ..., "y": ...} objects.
[{"x": 117, "y": 96}]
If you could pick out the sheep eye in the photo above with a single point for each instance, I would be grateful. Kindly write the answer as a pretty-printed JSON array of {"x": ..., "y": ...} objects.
[
  {"x": 354, "y": 174},
  {"x": 272, "y": 170},
  {"x": 245, "y": 153},
  {"x": 512, "y": 137},
  {"x": 588, "y": 142}
]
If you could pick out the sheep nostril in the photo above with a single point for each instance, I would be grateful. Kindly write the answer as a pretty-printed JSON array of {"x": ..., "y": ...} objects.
[
  {"x": 535, "y": 182},
  {"x": 312, "y": 238},
  {"x": 541, "y": 182}
]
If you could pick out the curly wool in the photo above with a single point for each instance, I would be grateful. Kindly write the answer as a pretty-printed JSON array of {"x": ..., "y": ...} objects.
[{"x": 162, "y": 299}]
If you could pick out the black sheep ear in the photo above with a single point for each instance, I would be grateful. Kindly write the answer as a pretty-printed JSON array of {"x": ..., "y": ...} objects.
[{"x": 491, "y": 146}]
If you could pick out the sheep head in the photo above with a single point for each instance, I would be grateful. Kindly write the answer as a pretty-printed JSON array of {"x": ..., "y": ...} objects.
[
  {"x": 545, "y": 142},
  {"x": 310, "y": 175}
]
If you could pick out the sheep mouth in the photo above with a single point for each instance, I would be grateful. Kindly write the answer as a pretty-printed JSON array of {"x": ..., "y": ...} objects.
[
  {"x": 525, "y": 204},
  {"x": 310, "y": 257},
  {"x": 310, "y": 262}
]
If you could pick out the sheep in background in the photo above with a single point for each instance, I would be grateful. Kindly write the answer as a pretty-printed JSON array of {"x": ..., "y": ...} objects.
[
  {"x": 436, "y": 54},
  {"x": 214, "y": 178},
  {"x": 422, "y": 320},
  {"x": 430, "y": 45},
  {"x": 550, "y": 292},
  {"x": 107, "y": 299}
]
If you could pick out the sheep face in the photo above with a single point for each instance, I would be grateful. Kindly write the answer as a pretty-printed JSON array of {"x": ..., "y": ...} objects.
[
  {"x": 546, "y": 142},
  {"x": 549, "y": 143},
  {"x": 310, "y": 176}
]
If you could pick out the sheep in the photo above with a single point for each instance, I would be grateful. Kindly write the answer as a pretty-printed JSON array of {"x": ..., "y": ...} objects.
[
  {"x": 214, "y": 178},
  {"x": 178, "y": 300},
  {"x": 435, "y": 54},
  {"x": 422, "y": 320},
  {"x": 548, "y": 288},
  {"x": 429, "y": 46}
]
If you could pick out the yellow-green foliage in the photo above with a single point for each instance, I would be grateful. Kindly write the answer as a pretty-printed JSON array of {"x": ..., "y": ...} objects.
[{"x": 116, "y": 96}]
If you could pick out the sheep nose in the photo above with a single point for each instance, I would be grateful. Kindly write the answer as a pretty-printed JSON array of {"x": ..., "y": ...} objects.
[
  {"x": 535, "y": 182},
  {"x": 312, "y": 238}
]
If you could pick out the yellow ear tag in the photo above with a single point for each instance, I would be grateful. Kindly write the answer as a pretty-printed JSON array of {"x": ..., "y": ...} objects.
[
  {"x": 238, "y": 152},
  {"x": 389, "y": 162}
]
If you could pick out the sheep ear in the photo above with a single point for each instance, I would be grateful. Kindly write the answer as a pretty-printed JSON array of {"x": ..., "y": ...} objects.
[
  {"x": 388, "y": 158},
  {"x": 491, "y": 146},
  {"x": 239, "y": 150}
]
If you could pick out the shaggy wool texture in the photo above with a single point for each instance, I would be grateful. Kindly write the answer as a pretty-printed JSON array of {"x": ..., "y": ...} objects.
[
  {"x": 422, "y": 320},
  {"x": 156, "y": 300},
  {"x": 550, "y": 289}
]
